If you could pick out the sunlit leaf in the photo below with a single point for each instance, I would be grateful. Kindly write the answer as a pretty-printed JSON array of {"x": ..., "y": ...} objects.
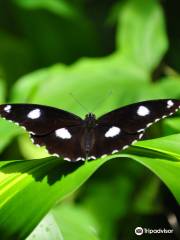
[
  {"x": 169, "y": 145},
  {"x": 51, "y": 179}
]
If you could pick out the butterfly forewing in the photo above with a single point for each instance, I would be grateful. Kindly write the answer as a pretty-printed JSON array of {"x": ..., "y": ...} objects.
[
  {"x": 137, "y": 117},
  {"x": 38, "y": 119}
]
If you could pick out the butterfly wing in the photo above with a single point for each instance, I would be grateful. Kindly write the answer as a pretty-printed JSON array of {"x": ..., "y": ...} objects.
[
  {"x": 64, "y": 142},
  {"x": 59, "y": 131},
  {"x": 120, "y": 128},
  {"x": 104, "y": 145},
  {"x": 38, "y": 119},
  {"x": 137, "y": 117}
]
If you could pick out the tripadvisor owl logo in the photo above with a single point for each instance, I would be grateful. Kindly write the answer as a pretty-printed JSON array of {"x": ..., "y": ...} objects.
[{"x": 139, "y": 231}]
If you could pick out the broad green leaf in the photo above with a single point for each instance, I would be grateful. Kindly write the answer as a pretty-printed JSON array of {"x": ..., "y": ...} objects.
[
  {"x": 169, "y": 145},
  {"x": 171, "y": 125},
  {"x": 51, "y": 179},
  {"x": 167, "y": 171},
  {"x": 48, "y": 179},
  {"x": 141, "y": 35}
]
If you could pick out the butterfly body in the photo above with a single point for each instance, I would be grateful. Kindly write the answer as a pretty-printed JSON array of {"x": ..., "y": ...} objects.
[{"x": 66, "y": 135}]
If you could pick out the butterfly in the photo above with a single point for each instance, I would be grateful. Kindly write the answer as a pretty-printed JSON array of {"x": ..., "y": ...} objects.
[{"x": 73, "y": 138}]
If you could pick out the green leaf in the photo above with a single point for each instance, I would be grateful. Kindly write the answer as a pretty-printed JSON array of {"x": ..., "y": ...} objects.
[
  {"x": 141, "y": 35},
  {"x": 51, "y": 179},
  {"x": 167, "y": 171},
  {"x": 169, "y": 145},
  {"x": 171, "y": 125},
  {"x": 62, "y": 7},
  {"x": 47, "y": 229},
  {"x": 83, "y": 225},
  {"x": 48, "y": 179},
  {"x": 55, "y": 225},
  {"x": 8, "y": 131}
]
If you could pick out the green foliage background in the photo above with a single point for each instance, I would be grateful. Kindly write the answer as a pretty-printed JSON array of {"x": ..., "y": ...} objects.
[{"x": 50, "y": 48}]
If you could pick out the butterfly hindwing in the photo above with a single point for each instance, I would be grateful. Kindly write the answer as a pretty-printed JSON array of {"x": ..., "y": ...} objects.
[
  {"x": 38, "y": 119},
  {"x": 64, "y": 142},
  {"x": 112, "y": 139}
]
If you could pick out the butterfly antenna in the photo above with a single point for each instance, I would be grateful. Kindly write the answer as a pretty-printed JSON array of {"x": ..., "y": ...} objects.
[
  {"x": 102, "y": 100},
  {"x": 76, "y": 100}
]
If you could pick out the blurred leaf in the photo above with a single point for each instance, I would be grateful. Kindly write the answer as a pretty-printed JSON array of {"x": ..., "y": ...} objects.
[
  {"x": 55, "y": 225},
  {"x": 2, "y": 89},
  {"x": 145, "y": 201},
  {"x": 15, "y": 57},
  {"x": 116, "y": 193},
  {"x": 141, "y": 34},
  {"x": 7, "y": 132},
  {"x": 82, "y": 224},
  {"x": 60, "y": 7}
]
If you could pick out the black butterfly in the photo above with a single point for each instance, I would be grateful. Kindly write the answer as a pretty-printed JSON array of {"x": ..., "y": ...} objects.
[{"x": 67, "y": 135}]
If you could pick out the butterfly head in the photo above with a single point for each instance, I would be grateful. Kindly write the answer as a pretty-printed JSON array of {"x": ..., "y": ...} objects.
[{"x": 90, "y": 120}]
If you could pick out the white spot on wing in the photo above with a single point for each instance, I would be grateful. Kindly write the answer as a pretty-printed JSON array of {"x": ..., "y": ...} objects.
[
  {"x": 92, "y": 157},
  {"x": 112, "y": 132},
  {"x": 126, "y": 146},
  {"x": 170, "y": 103},
  {"x": 67, "y": 159},
  {"x": 7, "y": 108},
  {"x": 133, "y": 142},
  {"x": 143, "y": 111},
  {"x": 34, "y": 114},
  {"x": 140, "y": 130},
  {"x": 80, "y": 158},
  {"x": 55, "y": 155},
  {"x": 115, "y": 151},
  {"x": 63, "y": 133},
  {"x": 141, "y": 135}
]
